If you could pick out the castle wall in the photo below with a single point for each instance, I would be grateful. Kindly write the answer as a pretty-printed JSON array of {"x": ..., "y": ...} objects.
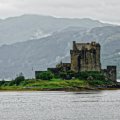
[
  {"x": 85, "y": 57},
  {"x": 66, "y": 65},
  {"x": 63, "y": 65},
  {"x": 83, "y": 61},
  {"x": 104, "y": 72},
  {"x": 88, "y": 61},
  {"x": 98, "y": 64},
  {"x": 110, "y": 72},
  {"x": 74, "y": 61},
  {"x": 54, "y": 71},
  {"x": 90, "y": 64}
]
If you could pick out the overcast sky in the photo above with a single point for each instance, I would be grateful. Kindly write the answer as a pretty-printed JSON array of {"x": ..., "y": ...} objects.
[{"x": 103, "y": 10}]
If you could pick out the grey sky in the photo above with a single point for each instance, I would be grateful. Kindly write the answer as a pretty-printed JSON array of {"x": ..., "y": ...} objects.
[{"x": 103, "y": 10}]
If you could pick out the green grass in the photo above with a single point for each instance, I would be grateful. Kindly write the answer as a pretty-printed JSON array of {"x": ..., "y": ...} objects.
[
  {"x": 53, "y": 83},
  {"x": 99, "y": 82}
]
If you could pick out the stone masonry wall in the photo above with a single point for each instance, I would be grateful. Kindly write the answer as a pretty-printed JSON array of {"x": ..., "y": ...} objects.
[
  {"x": 74, "y": 61},
  {"x": 85, "y": 59},
  {"x": 54, "y": 71},
  {"x": 110, "y": 72}
]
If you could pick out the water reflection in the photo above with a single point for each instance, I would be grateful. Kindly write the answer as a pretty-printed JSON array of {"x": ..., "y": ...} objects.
[{"x": 88, "y": 92}]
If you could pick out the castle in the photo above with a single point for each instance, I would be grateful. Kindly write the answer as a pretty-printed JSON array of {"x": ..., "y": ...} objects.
[{"x": 84, "y": 57}]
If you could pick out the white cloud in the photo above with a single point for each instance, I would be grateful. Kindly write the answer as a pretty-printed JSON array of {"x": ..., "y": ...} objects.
[{"x": 104, "y": 10}]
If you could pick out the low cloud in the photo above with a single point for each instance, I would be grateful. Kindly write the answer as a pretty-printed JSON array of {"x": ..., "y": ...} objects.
[{"x": 104, "y": 10}]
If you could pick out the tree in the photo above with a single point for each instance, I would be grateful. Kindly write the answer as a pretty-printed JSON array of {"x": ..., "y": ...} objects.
[
  {"x": 46, "y": 75},
  {"x": 17, "y": 80},
  {"x": 2, "y": 82}
]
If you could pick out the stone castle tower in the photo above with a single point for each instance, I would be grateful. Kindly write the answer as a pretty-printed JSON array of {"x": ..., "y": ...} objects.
[{"x": 85, "y": 57}]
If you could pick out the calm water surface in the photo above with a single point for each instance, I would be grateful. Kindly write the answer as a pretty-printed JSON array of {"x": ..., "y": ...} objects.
[{"x": 36, "y": 105}]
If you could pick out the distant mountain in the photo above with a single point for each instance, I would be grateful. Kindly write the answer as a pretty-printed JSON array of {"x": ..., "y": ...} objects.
[
  {"x": 27, "y": 27},
  {"x": 49, "y": 51}
]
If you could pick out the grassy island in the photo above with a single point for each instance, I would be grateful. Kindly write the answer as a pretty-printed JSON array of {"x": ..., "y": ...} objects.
[{"x": 64, "y": 81}]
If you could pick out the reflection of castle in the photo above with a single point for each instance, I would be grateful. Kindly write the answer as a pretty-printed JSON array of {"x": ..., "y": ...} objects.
[{"x": 84, "y": 57}]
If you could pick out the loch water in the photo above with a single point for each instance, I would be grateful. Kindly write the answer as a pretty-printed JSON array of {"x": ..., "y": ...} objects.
[{"x": 60, "y": 105}]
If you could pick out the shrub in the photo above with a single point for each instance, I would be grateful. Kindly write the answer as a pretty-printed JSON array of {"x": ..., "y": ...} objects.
[
  {"x": 97, "y": 76},
  {"x": 84, "y": 75},
  {"x": 2, "y": 82},
  {"x": 70, "y": 72},
  {"x": 57, "y": 76},
  {"x": 81, "y": 75},
  {"x": 63, "y": 75},
  {"x": 37, "y": 77},
  {"x": 5, "y": 84},
  {"x": 94, "y": 82},
  {"x": 12, "y": 82},
  {"x": 110, "y": 82},
  {"x": 46, "y": 75},
  {"x": 23, "y": 82}
]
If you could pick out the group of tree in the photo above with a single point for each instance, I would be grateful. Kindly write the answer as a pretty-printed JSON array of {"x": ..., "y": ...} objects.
[
  {"x": 69, "y": 74},
  {"x": 16, "y": 81},
  {"x": 45, "y": 75}
]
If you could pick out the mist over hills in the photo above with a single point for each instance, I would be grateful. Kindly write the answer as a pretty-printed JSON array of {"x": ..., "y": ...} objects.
[
  {"x": 26, "y": 27},
  {"x": 43, "y": 41}
]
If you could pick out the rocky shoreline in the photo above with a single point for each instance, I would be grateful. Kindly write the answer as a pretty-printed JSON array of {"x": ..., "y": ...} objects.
[
  {"x": 64, "y": 89},
  {"x": 115, "y": 86}
]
